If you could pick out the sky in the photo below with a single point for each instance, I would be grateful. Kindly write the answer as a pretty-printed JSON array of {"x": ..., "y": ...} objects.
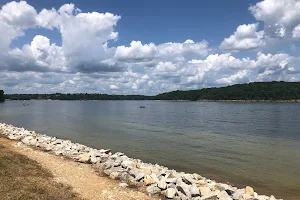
[{"x": 146, "y": 47}]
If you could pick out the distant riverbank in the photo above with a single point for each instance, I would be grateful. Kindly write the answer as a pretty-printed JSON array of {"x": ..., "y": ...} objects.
[
  {"x": 279, "y": 101},
  {"x": 200, "y": 100},
  {"x": 251, "y": 92},
  {"x": 246, "y": 101}
]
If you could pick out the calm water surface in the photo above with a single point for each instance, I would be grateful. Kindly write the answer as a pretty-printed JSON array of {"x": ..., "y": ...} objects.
[{"x": 255, "y": 144}]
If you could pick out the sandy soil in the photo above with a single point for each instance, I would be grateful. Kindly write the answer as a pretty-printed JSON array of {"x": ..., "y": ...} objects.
[{"x": 81, "y": 177}]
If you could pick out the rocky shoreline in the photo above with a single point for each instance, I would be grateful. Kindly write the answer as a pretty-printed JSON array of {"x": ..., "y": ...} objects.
[{"x": 157, "y": 180}]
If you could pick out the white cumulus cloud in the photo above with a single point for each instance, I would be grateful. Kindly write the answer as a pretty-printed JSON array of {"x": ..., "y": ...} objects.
[
  {"x": 84, "y": 36},
  {"x": 296, "y": 32},
  {"x": 279, "y": 16},
  {"x": 246, "y": 37},
  {"x": 136, "y": 52}
]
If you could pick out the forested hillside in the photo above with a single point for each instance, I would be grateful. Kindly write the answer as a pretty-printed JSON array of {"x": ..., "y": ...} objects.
[{"x": 251, "y": 91}]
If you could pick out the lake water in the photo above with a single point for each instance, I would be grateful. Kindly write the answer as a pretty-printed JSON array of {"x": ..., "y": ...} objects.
[{"x": 255, "y": 144}]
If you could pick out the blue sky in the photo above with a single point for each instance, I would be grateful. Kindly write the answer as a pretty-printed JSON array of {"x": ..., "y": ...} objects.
[
  {"x": 159, "y": 21},
  {"x": 146, "y": 47}
]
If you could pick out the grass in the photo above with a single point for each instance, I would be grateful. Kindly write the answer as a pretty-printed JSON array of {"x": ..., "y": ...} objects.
[{"x": 22, "y": 178}]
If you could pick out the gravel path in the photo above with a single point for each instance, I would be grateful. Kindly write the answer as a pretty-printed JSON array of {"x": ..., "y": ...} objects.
[{"x": 81, "y": 177}]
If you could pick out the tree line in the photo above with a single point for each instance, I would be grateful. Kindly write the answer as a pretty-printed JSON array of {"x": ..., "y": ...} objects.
[
  {"x": 250, "y": 91},
  {"x": 79, "y": 96},
  {"x": 2, "y": 98}
]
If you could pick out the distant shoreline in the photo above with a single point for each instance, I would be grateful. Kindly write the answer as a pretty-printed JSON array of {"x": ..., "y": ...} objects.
[
  {"x": 254, "y": 101},
  {"x": 251, "y": 92},
  {"x": 241, "y": 101},
  {"x": 201, "y": 100}
]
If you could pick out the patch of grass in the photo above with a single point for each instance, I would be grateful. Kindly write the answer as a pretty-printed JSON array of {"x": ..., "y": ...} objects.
[{"x": 22, "y": 178}]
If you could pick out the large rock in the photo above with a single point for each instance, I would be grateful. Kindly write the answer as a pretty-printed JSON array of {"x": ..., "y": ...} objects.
[
  {"x": 14, "y": 137},
  {"x": 114, "y": 175},
  {"x": 133, "y": 165},
  {"x": 247, "y": 196},
  {"x": 132, "y": 181},
  {"x": 108, "y": 164},
  {"x": 170, "y": 193},
  {"x": 172, "y": 185},
  {"x": 26, "y": 140},
  {"x": 125, "y": 176},
  {"x": 104, "y": 151},
  {"x": 107, "y": 171},
  {"x": 49, "y": 147},
  {"x": 117, "y": 162},
  {"x": 147, "y": 171},
  {"x": 85, "y": 158},
  {"x": 153, "y": 189},
  {"x": 225, "y": 187},
  {"x": 155, "y": 178},
  {"x": 155, "y": 171},
  {"x": 182, "y": 196},
  {"x": 136, "y": 173},
  {"x": 148, "y": 180},
  {"x": 189, "y": 179},
  {"x": 272, "y": 197},
  {"x": 200, "y": 183},
  {"x": 194, "y": 191},
  {"x": 162, "y": 185},
  {"x": 99, "y": 167},
  {"x": 139, "y": 176},
  {"x": 126, "y": 163},
  {"x": 94, "y": 159},
  {"x": 209, "y": 197},
  {"x": 119, "y": 154},
  {"x": 238, "y": 194},
  {"x": 262, "y": 197},
  {"x": 224, "y": 196},
  {"x": 197, "y": 176},
  {"x": 171, "y": 180},
  {"x": 204, "y": 190},
  {"x": 185, "y": 189},
  {"x": 33, "y": 142},
  {"x": 249, "y": 190}
]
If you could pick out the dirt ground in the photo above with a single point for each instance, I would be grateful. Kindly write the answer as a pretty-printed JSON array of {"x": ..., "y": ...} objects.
[{"x": 81, "y": 178}]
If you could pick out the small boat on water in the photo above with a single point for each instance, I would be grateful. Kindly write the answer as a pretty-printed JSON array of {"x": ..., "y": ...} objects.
[
  {"x": 142, "y": 106},
  {"x": 25, "y": 104}
]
